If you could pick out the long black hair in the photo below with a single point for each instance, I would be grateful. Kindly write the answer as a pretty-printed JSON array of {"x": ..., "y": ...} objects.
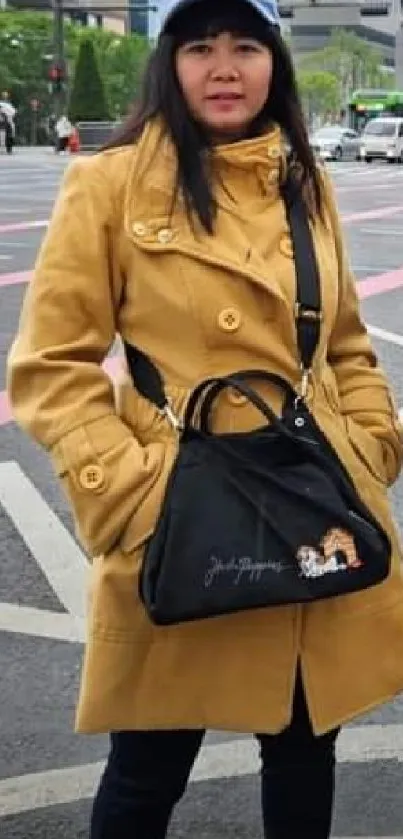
[{"x": 162, "y": 97}]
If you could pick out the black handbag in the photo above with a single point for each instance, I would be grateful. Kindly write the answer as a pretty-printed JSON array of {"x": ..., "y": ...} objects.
[{"x": 260, "y": 518}]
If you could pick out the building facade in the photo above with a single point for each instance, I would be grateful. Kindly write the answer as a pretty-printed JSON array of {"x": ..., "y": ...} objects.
[{"x": 310, "y": 24}]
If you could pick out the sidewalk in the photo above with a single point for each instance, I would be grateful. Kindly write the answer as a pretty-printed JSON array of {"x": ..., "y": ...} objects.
[
  {"x": 33, "y": 150},
  {"x": 36, "y": 151}
]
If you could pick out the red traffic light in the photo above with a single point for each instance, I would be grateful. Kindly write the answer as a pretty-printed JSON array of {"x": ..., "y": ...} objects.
[{"x": 56, "y": 73}]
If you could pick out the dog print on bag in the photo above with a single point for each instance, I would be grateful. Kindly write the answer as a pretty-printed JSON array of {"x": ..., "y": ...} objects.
[{"x": 336, "y": 552}]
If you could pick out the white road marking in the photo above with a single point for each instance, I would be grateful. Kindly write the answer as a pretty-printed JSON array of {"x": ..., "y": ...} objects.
[
  {"x": 41, "y": 623},
  {"x": 29, "y": 171},
  {"x": 23, "y": 195},
  {"x": 51, "y": 545},
  {"x": 14, "y": 245},
  {"x": 224, "y": 760},
  {"x": 390, "y": 338},
  {"x": 12, "y": 210},
  {"x": 379, "y": 231},
  {"x": 363, "y": 272},
  {"x": 362, "y": 188},
  {"x": 363, "y": 175},
  {"x": 42, "y": 180},
  {"x": 384, "y": 335}
]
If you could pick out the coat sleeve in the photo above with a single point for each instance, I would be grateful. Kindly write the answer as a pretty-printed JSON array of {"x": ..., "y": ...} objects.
[
  {"x": 57, "y": 387},
  {"x": 365, "y": 395}
]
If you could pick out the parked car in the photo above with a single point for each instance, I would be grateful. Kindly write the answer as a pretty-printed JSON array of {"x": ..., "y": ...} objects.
[
  {"x": 334, "y": 142},
  {"x": 382, "y": 138}
]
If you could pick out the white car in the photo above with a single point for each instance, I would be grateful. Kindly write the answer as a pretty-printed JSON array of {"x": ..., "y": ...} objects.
[
  {"x": 382, "y": 138},
  {"x": 333, "y": 142}
]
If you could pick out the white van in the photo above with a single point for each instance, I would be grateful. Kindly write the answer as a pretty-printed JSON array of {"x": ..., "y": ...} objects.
[{"x": 383, "y": 138}]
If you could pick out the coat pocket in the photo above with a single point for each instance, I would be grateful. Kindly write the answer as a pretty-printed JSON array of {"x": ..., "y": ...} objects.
[
  {"x": 106, "y": 475},
  {"x": 143, "y": 521},
  {"x": 117, "y": 613},
  {"x": 367, "y": 449}
]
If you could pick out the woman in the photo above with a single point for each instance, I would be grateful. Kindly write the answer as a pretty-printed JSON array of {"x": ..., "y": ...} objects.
[
  {"x": 175, "y": 237},
  {"x": 7, "y": 127},
  {"x": 64, "y": 130}
]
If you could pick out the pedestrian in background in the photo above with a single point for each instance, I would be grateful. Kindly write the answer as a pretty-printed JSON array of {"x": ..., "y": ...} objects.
[
  {"x": 176, "y": 238},
  {"x": 74, "y": 140},
  {"x": 7, "y": 124},
  {"x": 3, "y": 127},
  {"x": 63, "y": 129}
]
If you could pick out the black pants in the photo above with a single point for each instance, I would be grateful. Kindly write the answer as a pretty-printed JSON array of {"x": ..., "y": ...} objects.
[
  {"x": 62, "y": 143},
  {"x": 9, "y": 139},
  {"x": 147, "y": 774}
]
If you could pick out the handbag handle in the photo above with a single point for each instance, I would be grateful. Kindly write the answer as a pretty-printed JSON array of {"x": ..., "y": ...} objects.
[
  {"x": 242, "y": 376},
  {"x": 210, "y": 388}
]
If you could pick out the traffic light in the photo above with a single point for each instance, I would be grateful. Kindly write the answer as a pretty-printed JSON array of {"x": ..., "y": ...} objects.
[{"x": 57, "y": 77}]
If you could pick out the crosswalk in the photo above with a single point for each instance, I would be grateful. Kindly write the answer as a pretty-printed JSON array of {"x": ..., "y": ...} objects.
[{"x": 234, "y": 759}]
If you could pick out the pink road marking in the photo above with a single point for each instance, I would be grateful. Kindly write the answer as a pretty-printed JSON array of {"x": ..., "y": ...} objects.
[
  {"x": 15, "y": 279},
  {"x": 22, "y": 225},
  {"x": 380, "y": 283},
  {"x": 369, "y": 287},
  {"x": 5, "y": 410}
]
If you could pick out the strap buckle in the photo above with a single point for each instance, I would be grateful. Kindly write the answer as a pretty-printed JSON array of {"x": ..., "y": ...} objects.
[
  {"x": 304, "y": 383},
  {"x": 173, "y": 420},
  {"x": 302, "y": 312},
  {"x": 303, "y": 389}
]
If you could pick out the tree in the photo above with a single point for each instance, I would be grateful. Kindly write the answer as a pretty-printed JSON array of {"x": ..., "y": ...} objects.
[
  {"x": 352, "y": 61},
  {"x": 25, "y": 51},
  {"x": 319, "y": 91},
  {"x": 122, "y": 59},
  {"x": 26, "y": 55},
  {"x": 87, "y": 100}
]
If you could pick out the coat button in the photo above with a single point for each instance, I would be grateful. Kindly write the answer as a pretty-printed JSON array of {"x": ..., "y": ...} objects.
[
  {"x": 139, "y": 229},
  {"x": 229, "y": 320},
  {"x": 274, "y": 152},
  {"x": 286, "y": 246},
  {"x": 235, "y": 398},
  {"x": 165, "y": 235},
  {"x": 91, "y": 476}
]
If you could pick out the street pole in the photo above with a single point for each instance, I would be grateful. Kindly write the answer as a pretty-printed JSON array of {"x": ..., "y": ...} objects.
[
  {"x": 59, "y": 59},
  {"x": 399, "y": 58}
]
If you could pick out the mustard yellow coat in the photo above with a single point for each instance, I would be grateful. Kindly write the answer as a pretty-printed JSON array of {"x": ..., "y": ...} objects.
[{"x": 115, "y": 260}]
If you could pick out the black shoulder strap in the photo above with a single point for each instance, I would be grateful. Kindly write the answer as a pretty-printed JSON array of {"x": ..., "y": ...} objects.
[
  {"x": 147, "y": 378},
  {"x": 308, "y": 314}
]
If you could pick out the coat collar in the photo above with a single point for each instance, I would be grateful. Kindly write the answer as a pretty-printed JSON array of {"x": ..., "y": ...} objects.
[{"x": 157, "y": 222}]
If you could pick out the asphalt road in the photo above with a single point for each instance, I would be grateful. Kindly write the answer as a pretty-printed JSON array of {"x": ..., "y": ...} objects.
[{"x": 47, "y": 774}]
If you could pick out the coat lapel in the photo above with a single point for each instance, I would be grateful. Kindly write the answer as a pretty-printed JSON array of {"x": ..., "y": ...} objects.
[{"x": 158, "y": 223}]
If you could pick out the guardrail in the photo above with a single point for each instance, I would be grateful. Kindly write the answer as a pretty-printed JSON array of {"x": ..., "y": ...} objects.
[{"x": 94, "y": 134}]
